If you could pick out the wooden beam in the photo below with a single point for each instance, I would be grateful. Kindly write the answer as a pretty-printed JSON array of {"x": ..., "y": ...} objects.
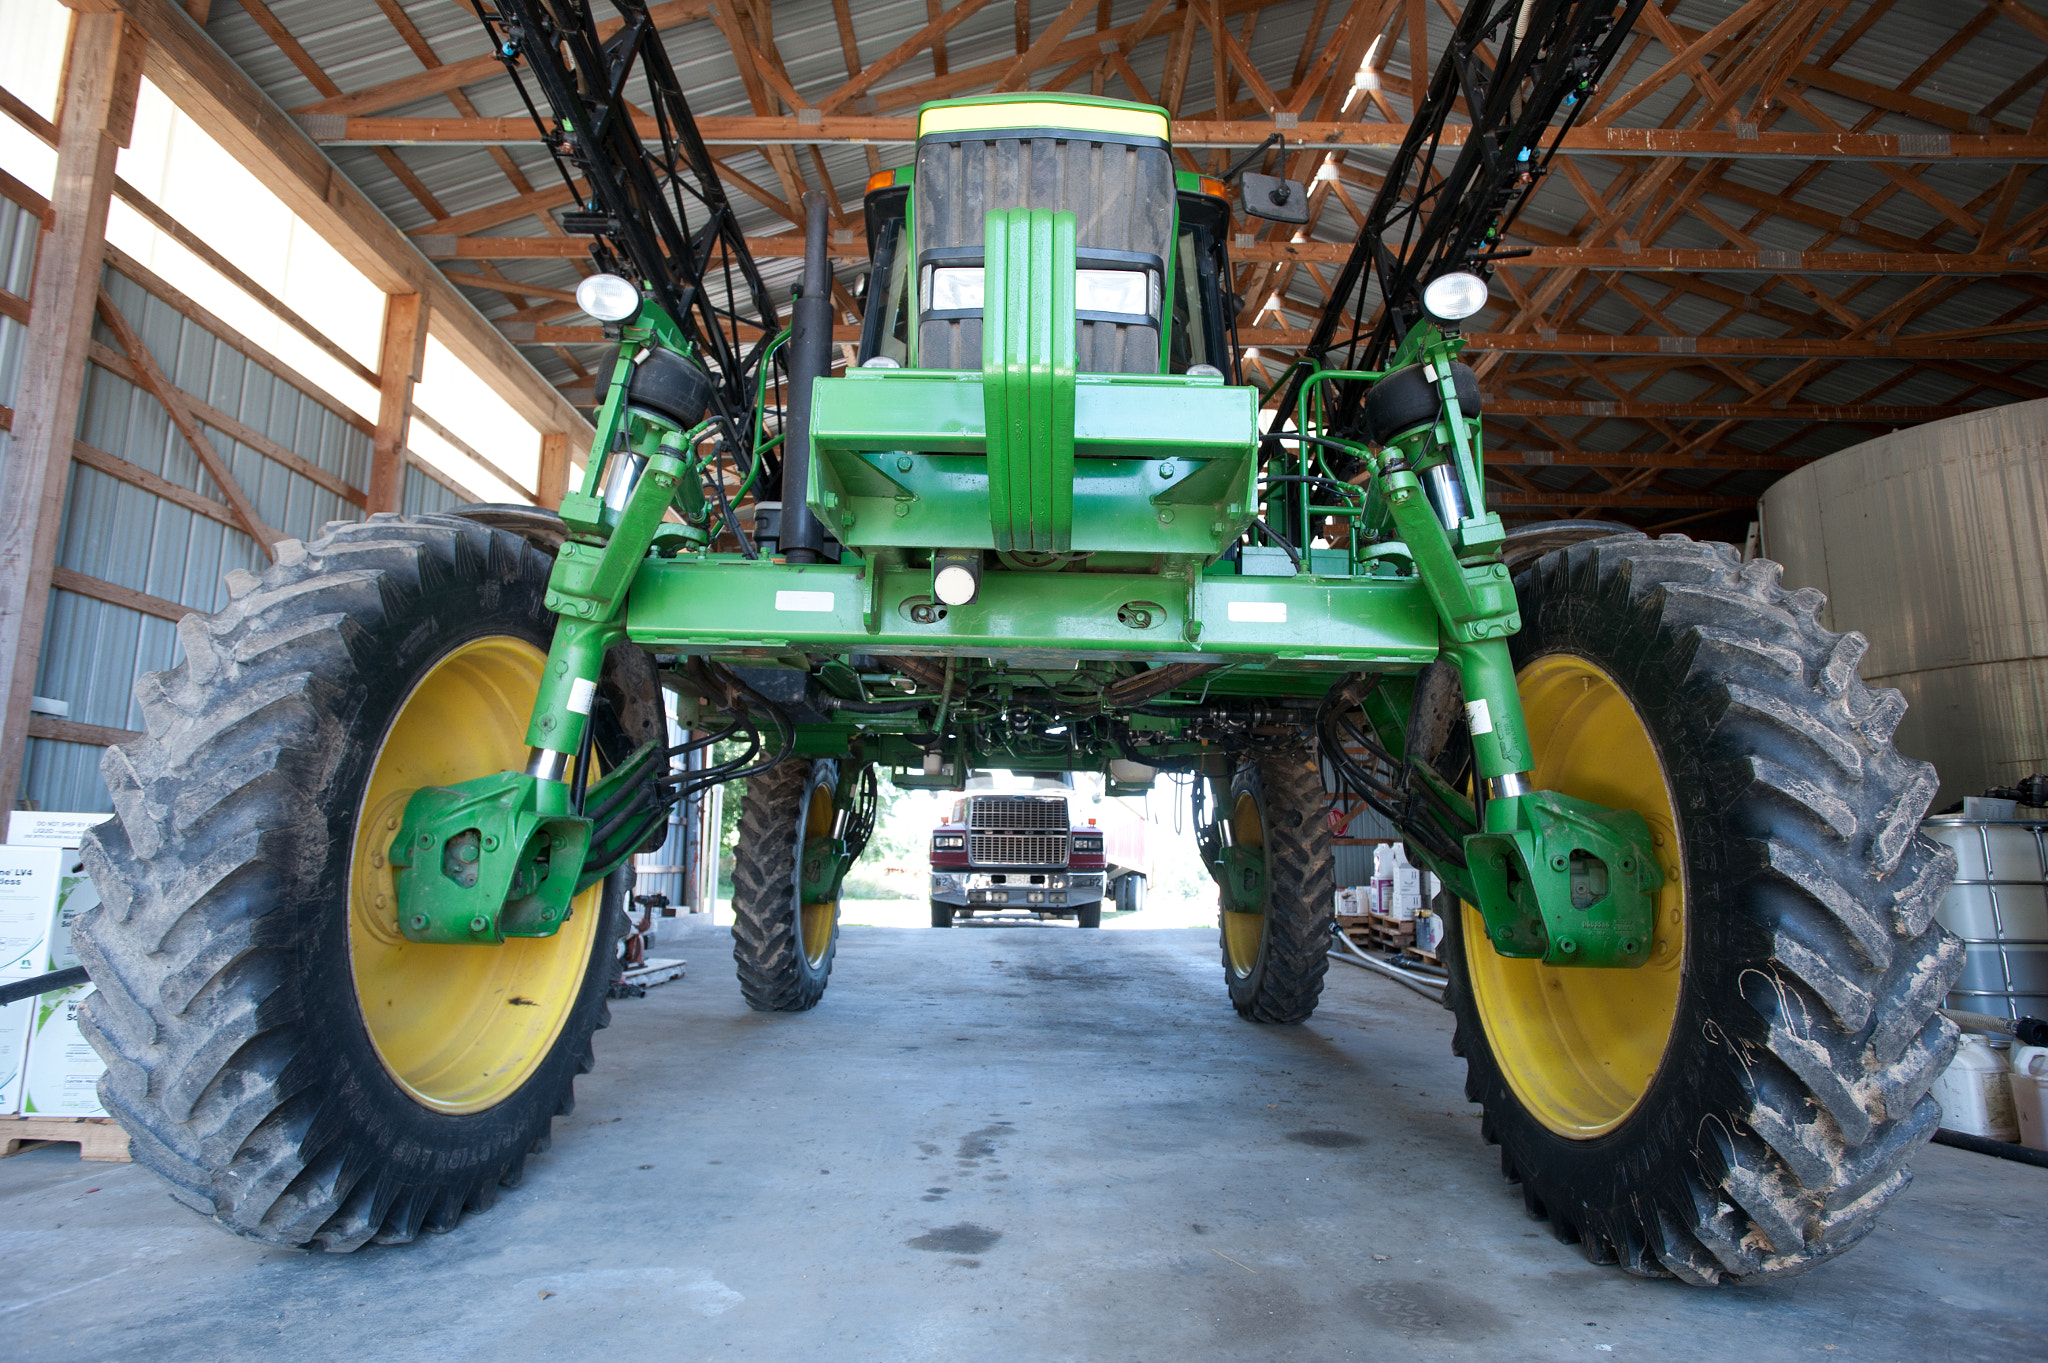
[
  {"x": 553, "y": 480},
  {"x": 1641, "y": 260},
  {"x": 236, "y": 429},
  {"x": 102, "y": 76},
  {"x": 1501, "y": 495},
  {"x": 477, "y": 281},
  {"x": 454, "y": 75},
  {"x": 541, "y": 333},
  {"x": 471, "y": 452},
  {"x": 1041, "y": 52},
  {"x": 71, "y": 731},
  {"x": 398, "y": 369},
  {"x": 136, "y": 476},
  {"x": 182, "y": 417},
  {"x": 121, "y": 263},
  {"x": 1719, "y": 411},
  {"x": 1722, "y": 458},
  {"x": 885, "y": 66},
  {"x": 773, "y": 130},
  {"x": 1759, "y": 347},
  {"x": 227, "y": 269},
  {"x": 203, "y": 82},
  {"x": 114, "y": 594}
]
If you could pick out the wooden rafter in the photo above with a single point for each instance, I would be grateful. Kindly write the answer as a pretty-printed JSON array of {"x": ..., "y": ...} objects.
[{"x": 1710, "y": 292}]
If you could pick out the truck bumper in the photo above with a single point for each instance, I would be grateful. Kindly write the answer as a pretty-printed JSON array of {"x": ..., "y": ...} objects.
[{"x": 1052, "y": 890}]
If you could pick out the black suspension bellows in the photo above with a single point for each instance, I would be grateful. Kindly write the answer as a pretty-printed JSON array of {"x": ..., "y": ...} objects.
[{"x": 810, "y": 358}]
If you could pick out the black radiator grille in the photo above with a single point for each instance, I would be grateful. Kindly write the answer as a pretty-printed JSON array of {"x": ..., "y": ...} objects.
[{"x": 1120, "y": 194}]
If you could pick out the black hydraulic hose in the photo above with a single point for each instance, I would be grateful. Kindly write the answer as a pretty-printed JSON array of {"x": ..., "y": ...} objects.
[
  {"x": 580, "y": 782},
  {"x": 1984, "y": 1145},
  {"x": 879, "y": 707},
  {"x": 725, "y": 511},
  {"x": 42, "y": 984},
  {"x": 1348, "y": 451},
  {"x": 1292, "y": 556}
]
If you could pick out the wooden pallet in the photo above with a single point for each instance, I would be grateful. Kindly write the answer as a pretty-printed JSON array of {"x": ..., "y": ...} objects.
[
  {"x": 97, "y": 1138},
  {"x": 1370, "y": 932}
]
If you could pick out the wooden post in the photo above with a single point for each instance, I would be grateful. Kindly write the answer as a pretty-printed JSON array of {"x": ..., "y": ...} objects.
[
  {"x": 102, "y": 73},
  {"x": 553, "y": 481},
  {"x": 398, "y": 369}
]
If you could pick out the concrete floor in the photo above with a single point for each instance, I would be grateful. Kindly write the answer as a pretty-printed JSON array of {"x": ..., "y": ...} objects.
[{"x": 1011, "y": 1143}]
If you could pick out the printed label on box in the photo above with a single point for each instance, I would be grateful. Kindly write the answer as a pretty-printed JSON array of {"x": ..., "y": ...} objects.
[
  {"x": 50, "y": 828},
  {"x": 61, "y": 1075},
  {"x": 63, "y": 1072},
  {"x": 14, "y": 1028},
  {"x": 28, "y": 893}
]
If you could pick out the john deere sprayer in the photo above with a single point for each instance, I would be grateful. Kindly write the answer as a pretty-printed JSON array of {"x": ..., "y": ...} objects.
[{"x": 361, "y": 901}]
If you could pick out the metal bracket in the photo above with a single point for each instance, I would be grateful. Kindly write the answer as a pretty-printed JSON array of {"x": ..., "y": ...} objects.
[
  {"x": 482, "y": 861},
  {"x": 1565, "y": 880}
]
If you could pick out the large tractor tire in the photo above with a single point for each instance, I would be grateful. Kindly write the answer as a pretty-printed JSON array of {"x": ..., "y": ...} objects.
[
  {"x": 1742, "y": 1106},
  {"x": 1277, "y": 896},
  {"x": 294, "y": 1067},
  {"x": 782, "y": 945}
]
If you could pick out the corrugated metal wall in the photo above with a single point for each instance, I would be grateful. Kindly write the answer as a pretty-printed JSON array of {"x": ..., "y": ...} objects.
[
  {"x": 423, "y": 495},
  {"x": 93, "y": 651}
]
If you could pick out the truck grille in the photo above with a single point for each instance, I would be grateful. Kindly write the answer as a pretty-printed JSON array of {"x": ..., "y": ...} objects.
[
  {"x": 1017, "y": 832},
  {"x": 1018, "y": 815},
  {"x": 1017, "y": 849}
]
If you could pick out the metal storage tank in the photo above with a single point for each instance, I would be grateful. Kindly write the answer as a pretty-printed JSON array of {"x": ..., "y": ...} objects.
[{"x": 1933, "y": 541}]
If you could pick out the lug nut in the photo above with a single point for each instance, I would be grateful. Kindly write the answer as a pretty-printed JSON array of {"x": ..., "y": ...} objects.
[{"x": 479, "y": 923}]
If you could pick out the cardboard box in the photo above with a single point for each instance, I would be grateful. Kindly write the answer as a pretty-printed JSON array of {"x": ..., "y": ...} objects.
[
  {"x": 29, "y": 883},
  {"x": 61, "y": 1078}
]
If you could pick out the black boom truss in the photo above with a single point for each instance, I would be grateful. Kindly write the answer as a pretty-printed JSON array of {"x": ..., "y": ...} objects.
[
  {"x": 657, "y": 213},
  {"x": 1521, "y": 71}
]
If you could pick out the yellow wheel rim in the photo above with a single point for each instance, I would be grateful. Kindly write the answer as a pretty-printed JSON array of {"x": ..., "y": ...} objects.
[
  {"x": 817, "y": 920},
  {"x": 1242, "y": 931},
  {"x": 1579, "y": 1047},
  {"x": 459, "y": 1027}
]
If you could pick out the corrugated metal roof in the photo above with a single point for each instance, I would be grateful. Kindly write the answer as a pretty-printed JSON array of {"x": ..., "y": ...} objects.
[{"x": 359, "y": 48}]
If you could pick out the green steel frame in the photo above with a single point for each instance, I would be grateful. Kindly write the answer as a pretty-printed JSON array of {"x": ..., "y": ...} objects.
[{"x": 1114, "y": 618}]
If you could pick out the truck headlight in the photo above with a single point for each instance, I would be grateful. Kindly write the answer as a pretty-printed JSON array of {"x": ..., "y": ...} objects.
[
  {"x": 949, "y": 842},
  {"x": 1086, "y": 843}
]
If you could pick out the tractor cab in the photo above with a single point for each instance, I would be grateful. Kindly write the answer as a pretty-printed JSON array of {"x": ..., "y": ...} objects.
[
  {"x": 1048, "y": 325},
  {"x": 1149, "y": 270}
]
